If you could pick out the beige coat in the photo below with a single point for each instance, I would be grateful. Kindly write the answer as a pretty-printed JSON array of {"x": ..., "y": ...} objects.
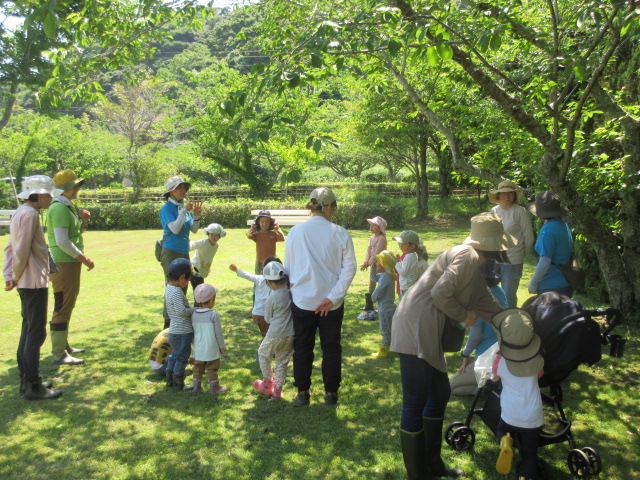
[{"x": 451, "y": 288}]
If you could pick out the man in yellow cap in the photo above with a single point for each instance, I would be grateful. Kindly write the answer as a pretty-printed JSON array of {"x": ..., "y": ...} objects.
[{"x": 66, "y": 223}]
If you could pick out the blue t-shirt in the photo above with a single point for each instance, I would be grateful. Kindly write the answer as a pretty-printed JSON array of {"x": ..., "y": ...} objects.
[
  {"x": 179, "y": 242},
  {"x": 556, "y": 242},
  {"x": 488, "y": 333}
]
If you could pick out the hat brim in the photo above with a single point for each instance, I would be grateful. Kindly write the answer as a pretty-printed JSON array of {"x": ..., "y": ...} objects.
[
  {"x": 528, "y": 368},
  {"x": 70, "y": 185},
  {"x": 167, "y": 192},
  {"x": 522, "y": 362},
  {"x": 543, "y": 213},
  {"x": 54, "y": 192},
  {"x": 492, "y": 244}
]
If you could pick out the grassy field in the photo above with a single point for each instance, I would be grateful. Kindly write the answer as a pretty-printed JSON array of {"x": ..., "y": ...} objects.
[{"x": 117, "y": 421}]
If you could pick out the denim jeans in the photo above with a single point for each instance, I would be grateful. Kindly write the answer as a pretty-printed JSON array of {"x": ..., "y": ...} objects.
[
  {"x": 425, "y": 392},
  {"x": 305, "y": 325},
  {"x": 34, "y": 331},
  {"x": 510, "y": 278},
  {"x": 180, "y": 352}
]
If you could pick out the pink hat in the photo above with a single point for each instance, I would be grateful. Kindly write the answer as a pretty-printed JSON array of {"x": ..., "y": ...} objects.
[
  {"x": 379, "y": 221},
  {"x": 204, "y": 292}
]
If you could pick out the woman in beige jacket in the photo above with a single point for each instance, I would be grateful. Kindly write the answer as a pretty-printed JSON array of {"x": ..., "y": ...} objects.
[{"x": 452, "y": 290}]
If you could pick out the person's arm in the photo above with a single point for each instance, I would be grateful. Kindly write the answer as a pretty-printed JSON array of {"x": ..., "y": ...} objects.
[
  {"x": 408, "y": 266},
  {"x": 21, "y": 247},
  {"x": 7, "y": 269},
  {"x": 544, "y": 263},
  {"x": 381, "y": 245},
  {"x": 347, "y": 272},
  {"x": 380, "y": 289},
  {"x": 474, "y": 339},
  {"x": 252, "y": 232},
  {"x": 249, "y": 276},
  {"x": 176, "y": 225},
  {"x": 444, "y": 290},
  {"x": 279, "y": 232},
  {"x": 527, "y": 230},
  {"x": 217, "y": 325},
  {"x": 68, "y": 247}
]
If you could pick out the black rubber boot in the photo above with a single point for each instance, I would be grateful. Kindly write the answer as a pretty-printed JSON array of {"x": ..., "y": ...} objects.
[
  {"x": 37, "y": 391},
  {"x": 368, "y": 303},
  {"x": 169, "y": 376},
  {"x": 433, "y": 447},
  {"x": 178, "y": 383},
  {"x": 23, "y": 384},
  {"x": 413, "y": 454}
]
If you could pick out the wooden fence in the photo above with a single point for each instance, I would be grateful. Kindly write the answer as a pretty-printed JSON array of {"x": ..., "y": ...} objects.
[{"x": 298, "y": 191}]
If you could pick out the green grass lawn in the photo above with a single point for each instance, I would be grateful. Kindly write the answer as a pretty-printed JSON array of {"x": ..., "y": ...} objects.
[{"x": 115, "y": 419}]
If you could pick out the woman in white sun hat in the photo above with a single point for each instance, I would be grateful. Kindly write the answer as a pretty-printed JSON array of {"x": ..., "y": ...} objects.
[
  {"x": 451, "y": 290},
  {"x": 26, "y": 266},
  {"x": 178, "y": 219},
  {"x": 517, "y": 222}
]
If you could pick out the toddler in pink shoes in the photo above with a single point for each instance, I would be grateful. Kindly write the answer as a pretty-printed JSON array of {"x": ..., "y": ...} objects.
[
  {"x": 278, "y": 341},
  {"x": 208, "y": 342}
]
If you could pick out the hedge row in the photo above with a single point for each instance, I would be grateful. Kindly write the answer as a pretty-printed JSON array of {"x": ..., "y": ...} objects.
[{"x": 143, "y": 216}]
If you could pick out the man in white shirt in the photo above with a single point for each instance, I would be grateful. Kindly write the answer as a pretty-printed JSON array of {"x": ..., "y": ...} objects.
[{"x": 321, "y": 263}]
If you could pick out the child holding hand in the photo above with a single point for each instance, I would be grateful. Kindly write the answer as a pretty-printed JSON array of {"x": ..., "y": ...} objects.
[
  {"x": 519, "y": 365},
  {"x": 385, "y": 294},
  {"x": 377, "y": 243},
  {"x": 265, "y": 232},
  {"x": 407, "y": 267},
  {"x": 279, "y": 339},
  {"x": 208, "y": 341}
]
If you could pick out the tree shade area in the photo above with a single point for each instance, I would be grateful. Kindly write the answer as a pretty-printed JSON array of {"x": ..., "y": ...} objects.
[{"x": 442, "y": 94}]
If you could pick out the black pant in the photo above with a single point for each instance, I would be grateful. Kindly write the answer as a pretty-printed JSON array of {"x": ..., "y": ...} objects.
[
  {"x": 34, "y": 331},
  {"x": 526, "y": 440},
  {"x": 305, "y": 324}
]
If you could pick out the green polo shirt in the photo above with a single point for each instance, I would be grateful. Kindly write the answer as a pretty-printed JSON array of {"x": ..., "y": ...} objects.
[{"x": 61, "y": 216}]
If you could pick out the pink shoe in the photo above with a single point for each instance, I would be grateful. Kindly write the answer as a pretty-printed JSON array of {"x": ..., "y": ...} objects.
[
  {"x": 215, "y": 387},
  {"x": 264, "y": 386},
  {"x": 277, "y": 394}
]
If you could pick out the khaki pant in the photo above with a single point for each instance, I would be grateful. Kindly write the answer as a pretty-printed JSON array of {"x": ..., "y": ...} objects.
[
  {"x": 66, "y": 287},
  {"x": 211, "y": 368}
]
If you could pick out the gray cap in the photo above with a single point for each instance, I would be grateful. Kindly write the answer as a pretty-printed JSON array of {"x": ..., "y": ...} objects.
[{"x": 408, "y": 236}]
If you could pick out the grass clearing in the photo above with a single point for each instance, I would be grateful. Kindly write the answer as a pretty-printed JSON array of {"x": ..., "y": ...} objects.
[{"x": 115, "y": 419}]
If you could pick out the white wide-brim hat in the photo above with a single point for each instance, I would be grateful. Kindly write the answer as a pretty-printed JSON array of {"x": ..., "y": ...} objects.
[
  {"x": 506, "y": 186},
  {"x": 171, "y": 184},
  {"x": 38, "y": 184},
  {"x": 487, "y": 233}
]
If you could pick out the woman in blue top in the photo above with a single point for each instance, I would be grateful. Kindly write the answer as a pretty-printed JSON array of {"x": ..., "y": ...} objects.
[
  {"x": 554, "y": 246},
  {"x": 177, "y": 221}
]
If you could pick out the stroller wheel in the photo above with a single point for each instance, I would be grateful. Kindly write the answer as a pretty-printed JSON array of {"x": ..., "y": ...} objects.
[
  {"x": 449, "y": 430},
  {"x": 578, "y": 463},
  {"x": 594, "y": 460},
  {"x": 463, "y": 438}
]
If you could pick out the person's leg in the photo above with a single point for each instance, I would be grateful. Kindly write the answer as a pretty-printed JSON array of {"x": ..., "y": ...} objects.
[
  {"x": 212, "y": 369},
  {"x": 195, "y": 281},
  {"x": 510, "y": 279},
  {"x": 265, "y": 354},
  {"x": 283, "y": 351},
  {"x": 528, "y": 439},
  {"x": 385, "y": 326},
  {"x": 181, "y": 346},
  {"x": 34, "y": 321},
  {"x": 305, "y": 324},
  {"x": 263, "y": 326},
  {"x": 66, "y": 285},
  {"x": 330, "y": 328},
  {"x": 464, "y": 383},
  {"x": 372, "y": 278}
]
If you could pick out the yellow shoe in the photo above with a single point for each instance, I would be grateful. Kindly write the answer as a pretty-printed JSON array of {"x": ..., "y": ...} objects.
[
  {"x": 503, "y": 465},
  {"x": 383, "y": 352}
]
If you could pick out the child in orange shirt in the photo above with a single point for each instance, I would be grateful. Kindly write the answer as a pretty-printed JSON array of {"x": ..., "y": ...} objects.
[{"x": 265, "y": 232}]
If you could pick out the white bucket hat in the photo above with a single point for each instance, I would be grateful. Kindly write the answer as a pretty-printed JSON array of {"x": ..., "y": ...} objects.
[
  {"x": 215, "y": 228},
  {"x": 379, "y": 221},
  {"x": 38, "y": 184},
  {"x": 487, "y": 233},
  {"x": 171, "y": 184}
]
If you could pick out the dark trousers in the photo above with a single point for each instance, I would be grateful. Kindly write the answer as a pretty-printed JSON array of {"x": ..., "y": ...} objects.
[
  {"x": 527, "y": 442},
  {"x": 34, "y": 331},
  {"x": 305, "y": 325},
  {"x": 425, "y": 392}
]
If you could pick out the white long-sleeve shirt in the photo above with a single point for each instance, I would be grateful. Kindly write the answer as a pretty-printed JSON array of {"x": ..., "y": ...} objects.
[
  {"x": 517, "y": 222},
  {"x": 320, "y": 261},
  {"x": 261, "y": 293}
]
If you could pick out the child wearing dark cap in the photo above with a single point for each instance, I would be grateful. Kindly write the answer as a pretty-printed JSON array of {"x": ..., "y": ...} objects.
[
  {"x": 208, "y": 341},
  {"x": 519, "y": 365},
  {"x": 265, "y": 232},
  {"x": 180, "y": 328}
]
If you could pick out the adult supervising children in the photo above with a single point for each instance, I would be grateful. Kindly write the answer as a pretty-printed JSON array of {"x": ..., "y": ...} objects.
[
  {"x": 26, "y": 266},
  {"x": 321, "y": 264}
]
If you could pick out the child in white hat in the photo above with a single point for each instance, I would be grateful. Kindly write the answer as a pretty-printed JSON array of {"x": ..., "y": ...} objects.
[
  {"x": 205, "y": 250},
  {"x": 208, "y": 341},
  {"x": 377, "y": 243},
  {"x": 519, "y": 364}
]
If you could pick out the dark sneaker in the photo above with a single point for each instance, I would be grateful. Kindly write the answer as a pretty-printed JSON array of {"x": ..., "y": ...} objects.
[
  {"x": 331, "y": 398},
  {"x": 302, "y": 398}
]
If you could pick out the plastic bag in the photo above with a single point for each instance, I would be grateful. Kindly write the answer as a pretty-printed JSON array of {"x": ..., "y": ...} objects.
[{"x": 483, "y": 368}]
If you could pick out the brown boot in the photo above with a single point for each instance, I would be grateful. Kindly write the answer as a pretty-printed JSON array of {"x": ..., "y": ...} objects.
[
  {"x": 37, "y": 391},
  {"x": 178, "y": 383}
]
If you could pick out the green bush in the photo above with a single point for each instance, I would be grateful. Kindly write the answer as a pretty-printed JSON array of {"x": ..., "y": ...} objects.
[{"x": 142, "y": 216}]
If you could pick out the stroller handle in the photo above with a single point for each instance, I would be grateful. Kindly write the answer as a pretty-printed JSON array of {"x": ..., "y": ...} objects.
[{"x": 613, "y": 316}]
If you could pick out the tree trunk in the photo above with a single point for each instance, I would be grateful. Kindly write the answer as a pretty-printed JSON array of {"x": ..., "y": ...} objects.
[{"x": 423, "y": 182}]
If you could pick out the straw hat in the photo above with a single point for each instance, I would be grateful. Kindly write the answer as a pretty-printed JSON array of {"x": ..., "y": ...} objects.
[
  {"x": 506, "y": 186},
  {"x": 388, "y": 261},
  {"x": 547, "y": 205},
  {"x": 67, "y": 180},
  {"x": 38, "y": 184},
  {"x": 487, "y": 233},
  {"x": 519, "y": 345}
]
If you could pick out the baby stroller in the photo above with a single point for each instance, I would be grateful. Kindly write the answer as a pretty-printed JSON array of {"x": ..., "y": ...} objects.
[{"x": 569, "y": 337}]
